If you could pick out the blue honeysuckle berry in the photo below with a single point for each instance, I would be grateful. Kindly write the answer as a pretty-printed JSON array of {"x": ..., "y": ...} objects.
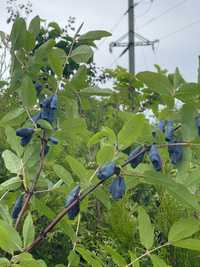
[
  {"x": 155, "y": 158},
  {"x": 137, "y": 156},
  {"x": 54, "y": 102},
  {"x": 49, "y": 106},
  {"x": 106, "y": 171},
  {"x": 198, "y": 124},
  {"x": 169, "y": 131},
  {"x": 53, "y": 140},
  {"x": 161, "y": 125},
  {"x": 74, "y": 194},
  {"x": 17, "y": 207},
  {"x": 118, "y": 187},
  {"x": 36, "y": 117},
  {"x": 23, "y": 132},
  {"x": 25, "y": 140},
  {"x": 46, "y": 149},
  {"x": 38, "y": 87},
  {"x": 175, "y": 153}
]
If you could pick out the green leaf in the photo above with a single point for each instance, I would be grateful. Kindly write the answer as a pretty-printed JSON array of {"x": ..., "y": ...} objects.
[
  {"x": 146, "y": 229},
  {"x": 89, "y": 257},
  {"x": 10, "y": 240},
  {"x": 106, "y": 133},
  {"x": 78, "y": 168},
  {"x": 34, "y": 26},
  {"x": 4, "y": 262},
  {"x": 157, "y": 82},
  {"x": 62, "y": 173},
  {"x": 81, "y": 54},
  {"x": 11, "y": 115},
  {"x": 13, "y": 140},
  {"x": 5, "y": 215},
  {"x": 179, "y": 191},
  {"x": 12, "y": 162},
  {"x": 193, "y": 244},
  {"x": 55, "y": 26},
  {"x": 134, "y": 129},
  {"x": 116, "y": 257},
  {"x": 28, "y": 92},
  {"x": 96, "y": 91},
  {"x": 102, "y": 195},
  {"x": 158, "y": 262},
  {"x": 133, "y": 258},
  {"x": 105, "y": 154},
  {"x": 187, "y": 120},
  {"x": 79, "y": 80},
  {"x": 182, "y": 229},
  {"x": 44, "y": 124},
  {"x": 29, "y": 41},
  {"x": 18, "y": 33},
  {"x": 28, "y": 230},
  {"x": 10, "y": 184},
  {"x": 94, "y": 35},
  {"x": 57, "y": 58},
  {"x": 74, "y": 259},
  {"x": 188, "y": 91},
  {"x": 41, "y": 54}
]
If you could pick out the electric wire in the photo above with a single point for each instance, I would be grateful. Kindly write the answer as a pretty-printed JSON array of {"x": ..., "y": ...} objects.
[
  {"x": 162, "y": 14},
  {"x": 146, "y": 11},
  {"x": 179, "y": 30}
]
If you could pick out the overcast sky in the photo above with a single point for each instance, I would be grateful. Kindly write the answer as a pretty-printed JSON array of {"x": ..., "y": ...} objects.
[{"x": 180, "y": 49}]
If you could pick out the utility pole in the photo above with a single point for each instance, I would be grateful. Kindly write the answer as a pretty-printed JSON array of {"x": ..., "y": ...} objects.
[{"x": 131, "y": 35}]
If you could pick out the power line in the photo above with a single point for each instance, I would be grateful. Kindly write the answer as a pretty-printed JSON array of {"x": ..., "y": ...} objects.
[
  {"x": 113, "y": 28},
  {"x": 180, "y": 30},
  {"x": 118, "y": 22},
  {"x": 163, "y": 13},
  {"x": 146, "y": 11}
]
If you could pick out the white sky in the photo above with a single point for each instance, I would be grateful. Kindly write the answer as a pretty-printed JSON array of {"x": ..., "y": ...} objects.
[{"x": 181, "y": 49}]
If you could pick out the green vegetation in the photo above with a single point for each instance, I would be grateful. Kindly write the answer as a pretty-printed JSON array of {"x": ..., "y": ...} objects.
[{"x": 86, "y": 178}]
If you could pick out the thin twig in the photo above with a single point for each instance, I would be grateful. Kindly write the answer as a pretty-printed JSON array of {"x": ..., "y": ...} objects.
[
  {"x": 147, "y": 253},
  {"x": 77, "y": 229},
  {"x": 74, "y": 39},
  {"x": 29, "y": 194},
  {"x": 2, "y": 197}
]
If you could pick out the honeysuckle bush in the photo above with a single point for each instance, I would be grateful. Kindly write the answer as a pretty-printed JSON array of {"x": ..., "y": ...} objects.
[{"x": 88, "y": 179}]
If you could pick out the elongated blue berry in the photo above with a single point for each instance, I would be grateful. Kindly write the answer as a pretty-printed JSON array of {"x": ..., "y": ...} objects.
[
  {"x": 22, "y": 132},
  {"x": 169, "y": 131},
  {"x": 72, "y": 196},
  {"x": 106, "y": 171},
  {"x": 17, "y": 207},
  {"x": 175, "y": 153},
  {"x": 38, "y": 87},
  {"x": 25, "y": 140},
  {"x": 53, "y": 140},
  {"x": 137, "y": 156},
  {"x": 36, "y": 117},
  {"x": 54, "y": 102},
  {"x": 198, "y": 124},
  {"x": 118, "y": 187},
  {"x": 161, "y": 125},
  {"x": 155, "y": 158},
  {"x": 25, "y": 134},
  {"x": 49, "y": 106}
]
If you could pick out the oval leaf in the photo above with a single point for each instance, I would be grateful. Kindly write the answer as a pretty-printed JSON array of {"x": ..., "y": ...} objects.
[{"x": 146, "y": 229}]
